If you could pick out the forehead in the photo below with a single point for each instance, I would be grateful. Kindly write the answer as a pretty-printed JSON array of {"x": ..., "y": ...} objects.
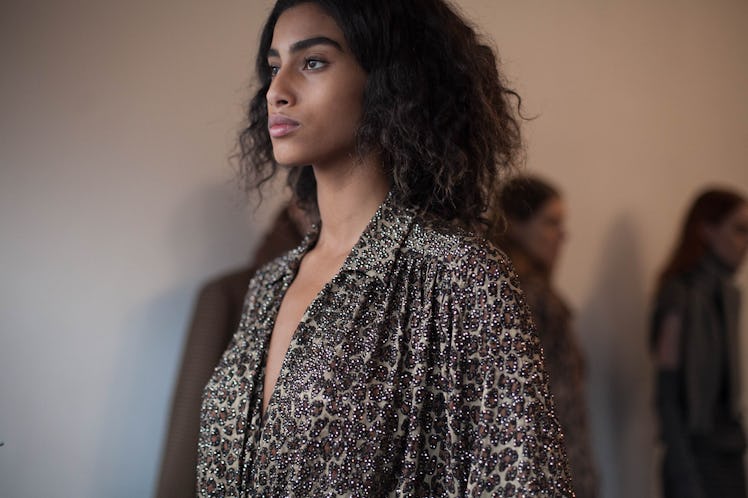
[
  {"x": 304, "y": 21},
  {"x": 554, "y": 206}
]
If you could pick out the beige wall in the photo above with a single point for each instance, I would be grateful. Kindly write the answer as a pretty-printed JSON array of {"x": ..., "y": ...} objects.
[{"x": 116, "y": 202}]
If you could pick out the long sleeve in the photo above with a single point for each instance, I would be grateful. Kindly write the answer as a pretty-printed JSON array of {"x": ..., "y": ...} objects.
[
  {"x": 681, "y": 470},
  {"x": 515, "y": 442},
  {"x": 415, "y": 372},
  {"x": 680, "y": 459}
]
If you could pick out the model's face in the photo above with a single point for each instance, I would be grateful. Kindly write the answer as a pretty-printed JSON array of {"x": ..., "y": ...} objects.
[
  {"x": 315, "y": 97},
  {"x": 728, "y": 240},
  {"x": 542, "y": 235}
]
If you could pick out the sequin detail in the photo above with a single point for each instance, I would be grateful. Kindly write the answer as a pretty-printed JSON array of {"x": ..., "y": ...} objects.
[{"x": 415, "y": 372}]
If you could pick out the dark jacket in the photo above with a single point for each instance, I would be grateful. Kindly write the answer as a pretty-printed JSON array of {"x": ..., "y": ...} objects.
[
  {"x": 698, "y": 404},
  {"x": 707, "y": 303}
]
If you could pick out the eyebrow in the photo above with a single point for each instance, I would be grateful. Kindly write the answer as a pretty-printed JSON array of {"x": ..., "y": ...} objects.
[{"x": 309, "y": 42}]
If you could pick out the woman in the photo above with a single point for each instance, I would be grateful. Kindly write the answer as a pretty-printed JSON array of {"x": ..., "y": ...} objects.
[
  {"x": 534, "y": 214},
  {"x": 390, "y": 354},
  {"x": 694, "y": 338}
]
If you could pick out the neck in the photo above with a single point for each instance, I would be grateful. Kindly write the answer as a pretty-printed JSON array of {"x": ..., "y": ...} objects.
[{"x": 347, "y": 198}]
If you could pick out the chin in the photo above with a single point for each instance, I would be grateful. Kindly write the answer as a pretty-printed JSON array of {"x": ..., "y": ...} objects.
[
  {"x": 287, "y": 155},
  {"x": 286, "y": 164},
  {"x": 288, "y": 160}
]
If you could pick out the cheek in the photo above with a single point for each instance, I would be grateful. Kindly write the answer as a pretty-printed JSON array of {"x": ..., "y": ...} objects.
[
  {"x": 351, "y": 96},
  {"x": 730, "y": 248},
  {"x": 351, "y": 109},
  {"x": 734, "y": 242},
  {"x": 742, "y": 240},
  {"x": 339, "y": 111},
  {"x": 541, "y": 244},
  {"x": 552, "y": 238}
]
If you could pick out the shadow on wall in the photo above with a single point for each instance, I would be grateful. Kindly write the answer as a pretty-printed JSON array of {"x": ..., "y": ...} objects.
[
  {"x": 217, "y": 228},
  {"x": 612, "y": 326},
  {"x": 208, "y": 233},
  {"x": 137, "y": 400}
]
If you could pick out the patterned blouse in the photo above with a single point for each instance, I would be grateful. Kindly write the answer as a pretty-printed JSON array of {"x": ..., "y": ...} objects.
[{"x": 414, "y": 372}]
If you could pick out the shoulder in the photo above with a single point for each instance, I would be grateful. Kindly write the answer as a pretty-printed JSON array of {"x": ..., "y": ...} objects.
[
  {"x": 673, "y": 293},
  {"x": 268, "y": 275},
  {"x": 231, "y": 280},
  {"x": 228, "y": 288},
  {"x": 275, "y": 269},
  {"x": 468, "y": 259}
]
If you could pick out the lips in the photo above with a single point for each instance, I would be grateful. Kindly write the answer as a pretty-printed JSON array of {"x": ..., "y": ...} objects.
[{"x": 280, "y": 126}]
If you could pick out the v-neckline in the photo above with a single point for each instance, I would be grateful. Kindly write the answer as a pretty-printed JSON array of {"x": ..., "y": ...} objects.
[
  {"x": 357, "y": 259},
  {"x": 282, "y": 372},
  {"x": 307, "y": 246}
]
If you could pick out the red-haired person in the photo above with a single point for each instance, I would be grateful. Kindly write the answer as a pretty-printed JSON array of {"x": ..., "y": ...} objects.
[{"x": 694, "y": 340}]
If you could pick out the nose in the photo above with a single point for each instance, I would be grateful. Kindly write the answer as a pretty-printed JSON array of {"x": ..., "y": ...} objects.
[{"x": 280, "y": 93}]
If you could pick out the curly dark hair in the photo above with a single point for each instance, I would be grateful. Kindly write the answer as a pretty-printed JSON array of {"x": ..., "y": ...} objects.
[{"x": 436, "y": 110}]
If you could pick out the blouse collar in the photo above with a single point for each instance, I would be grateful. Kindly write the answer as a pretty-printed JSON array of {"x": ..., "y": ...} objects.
[{"x": 376, "y": 250}]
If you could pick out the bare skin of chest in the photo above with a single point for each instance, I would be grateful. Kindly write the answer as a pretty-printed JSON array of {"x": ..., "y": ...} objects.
[{"x": 315, "y": 271}]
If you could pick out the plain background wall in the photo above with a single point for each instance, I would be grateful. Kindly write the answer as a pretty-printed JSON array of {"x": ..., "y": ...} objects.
[{"x": 117, "y": 201}]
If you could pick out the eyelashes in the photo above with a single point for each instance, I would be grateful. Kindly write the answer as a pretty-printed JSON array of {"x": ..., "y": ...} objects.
[
  {"x": 310, "y": 64},
  {"x": 314, "y": 63}
]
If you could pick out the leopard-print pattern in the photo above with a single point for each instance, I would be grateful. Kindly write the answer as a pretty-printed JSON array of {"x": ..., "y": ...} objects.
[
  {"x": 415, "y": 372},
  {"x": 565, "y": 366}
]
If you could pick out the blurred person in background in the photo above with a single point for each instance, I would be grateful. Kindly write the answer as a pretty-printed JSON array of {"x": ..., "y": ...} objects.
[
  {"x": 532, "y": 237},
  {"x": 215, "y": 318},
  {"x": 694, "y": 338}
]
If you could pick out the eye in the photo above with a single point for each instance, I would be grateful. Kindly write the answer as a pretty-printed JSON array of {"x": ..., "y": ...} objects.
[
  {"x": 273, "y": 70},
  {"x": 312, "y": 64}
]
